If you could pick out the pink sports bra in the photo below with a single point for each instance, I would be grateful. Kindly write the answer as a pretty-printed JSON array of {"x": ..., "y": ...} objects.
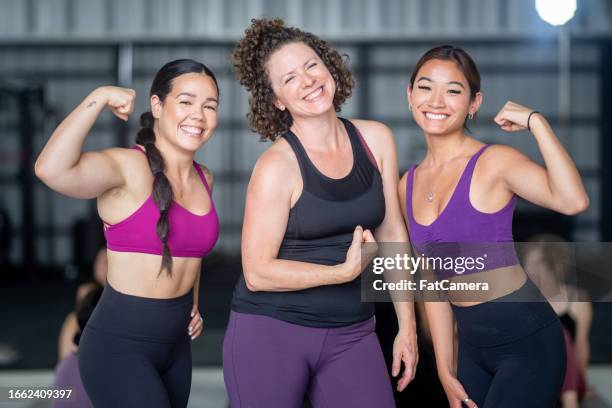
[{"x": 190, "y": 235}]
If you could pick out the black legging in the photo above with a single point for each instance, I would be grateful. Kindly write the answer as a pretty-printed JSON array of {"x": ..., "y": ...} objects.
[
  {"x": 136, "y": 352},
  {"x": 511, "y": 352}
]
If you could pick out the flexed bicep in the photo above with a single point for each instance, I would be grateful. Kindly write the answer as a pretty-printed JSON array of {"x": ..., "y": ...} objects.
[
  {"x": 556, "y": 186},
  {"x": 64, "y": 167}
]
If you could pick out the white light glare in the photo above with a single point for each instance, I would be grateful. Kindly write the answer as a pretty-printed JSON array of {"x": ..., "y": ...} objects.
[{"x": 556, "y": 12}]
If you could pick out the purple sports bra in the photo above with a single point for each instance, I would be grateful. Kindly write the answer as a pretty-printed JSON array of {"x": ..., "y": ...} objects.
[
  {"x": 461, "y": 231},
  {"x": 190, "y": 235}
]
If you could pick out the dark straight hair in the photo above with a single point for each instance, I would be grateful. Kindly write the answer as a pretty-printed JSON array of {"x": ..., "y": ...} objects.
[
  {"x": 162, "y": 190},
  {"x": 460, "y": 57}
]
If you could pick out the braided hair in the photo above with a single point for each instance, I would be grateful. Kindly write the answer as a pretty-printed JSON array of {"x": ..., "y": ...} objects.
[{"x": 162, "y": 190}]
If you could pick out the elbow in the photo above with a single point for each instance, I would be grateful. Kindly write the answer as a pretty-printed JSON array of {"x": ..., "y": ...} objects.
[
  {"x": 42, "y": 172},
  {"x": 251, "y": 285},
  {"x": 258, "y": 273},
  {"x": 251, "y": 280},
  {"x": 45, "y": 171},
  {"x": 577, "y": 206},
  {"x": 39, "y": 170},
  {"x": 394, "y": 233}
]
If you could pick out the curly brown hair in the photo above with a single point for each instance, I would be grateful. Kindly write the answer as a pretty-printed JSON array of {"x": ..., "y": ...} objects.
[{"x": 250, "y": 56}]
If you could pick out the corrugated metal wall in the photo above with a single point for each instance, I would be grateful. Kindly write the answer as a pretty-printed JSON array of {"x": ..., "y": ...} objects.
[{"x": 227, "y": 18}]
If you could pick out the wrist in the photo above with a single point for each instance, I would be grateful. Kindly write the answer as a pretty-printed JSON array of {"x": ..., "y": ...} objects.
[
  {"x": 98, "y": 95},
  {"x": 445, "y": 373},
  {"x": 343, "y": 273},
  {"x": 536, "y": 120},
  {"x": 406, "y": 327}
]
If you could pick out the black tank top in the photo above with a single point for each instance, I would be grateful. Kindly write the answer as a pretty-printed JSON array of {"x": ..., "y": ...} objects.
[{"x": 320, "y": 230}]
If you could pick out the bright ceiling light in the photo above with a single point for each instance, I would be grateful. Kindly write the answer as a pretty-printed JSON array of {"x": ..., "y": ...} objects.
[{"x": 556, "y": 12}]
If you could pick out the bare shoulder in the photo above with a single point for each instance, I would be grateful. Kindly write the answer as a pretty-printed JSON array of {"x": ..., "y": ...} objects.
[
  {"x": 502, "y": 154},
  {"x": 133, "y": 166},
  {"x": 124, "y": 156},
  {"x": 378, "y": 137},
  {"x": 373, "y": 131},
  {"x": 498, "y": 159},
  {"x": 279, "y": 157},
  {"x": 277, "y": 166},
  {"x": 208, "y": 174}
]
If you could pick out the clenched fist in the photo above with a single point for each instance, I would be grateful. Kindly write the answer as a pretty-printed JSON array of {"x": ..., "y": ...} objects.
[
  {"x": 119, "y": 100},
  {"x": 513, "y": 117}
]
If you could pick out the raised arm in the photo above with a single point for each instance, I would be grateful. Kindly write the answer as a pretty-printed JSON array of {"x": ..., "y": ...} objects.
[
  {"x": 64, "y": 167},
  {"x": 265, "y": 220},
  {"x": 556, "y": 186}
]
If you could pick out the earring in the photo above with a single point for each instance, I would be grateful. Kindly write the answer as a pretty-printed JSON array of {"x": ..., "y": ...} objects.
[
  {"x": 470, "y": 116},
  {"x": 410, "y": 107}
]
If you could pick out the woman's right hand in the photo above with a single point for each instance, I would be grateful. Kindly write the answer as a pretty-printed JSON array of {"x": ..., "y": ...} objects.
[
  {"x": 457, "y": 397},
  {"x": 119, "y": 100},
  {"x": 358, "y": 256},
  {"x": 63, "y": 166}
]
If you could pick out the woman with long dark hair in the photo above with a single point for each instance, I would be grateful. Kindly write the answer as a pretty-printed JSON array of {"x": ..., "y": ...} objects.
[
  {"x": 326, "y": 186},
  {"x": 159, "y": 221},
  {"x": 463, "y": 193}
]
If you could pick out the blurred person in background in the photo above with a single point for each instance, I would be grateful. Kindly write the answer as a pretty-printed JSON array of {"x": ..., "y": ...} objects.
[
  {"x": 548, "y": 260},
  {"x": 70, "y": 326},
  {"x": 67, "y": 376}
]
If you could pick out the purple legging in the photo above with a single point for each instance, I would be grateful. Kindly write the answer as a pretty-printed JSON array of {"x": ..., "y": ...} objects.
[{"x": 269, "y": 363}]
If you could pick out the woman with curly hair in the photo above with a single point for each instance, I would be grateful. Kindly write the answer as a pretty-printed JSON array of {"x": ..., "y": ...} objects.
[
  {"x": 159, "y": 221},
  {"x": 326, "y": 186}
]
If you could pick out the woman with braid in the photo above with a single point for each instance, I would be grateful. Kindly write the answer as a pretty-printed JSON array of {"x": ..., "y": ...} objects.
[{"x": 159, "y": 221}]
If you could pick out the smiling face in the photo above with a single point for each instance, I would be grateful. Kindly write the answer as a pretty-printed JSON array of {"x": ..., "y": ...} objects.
[
  {"x": 440, "y": 98},
  {"x": 187, "y": 116},
  {"x": 300, "y": 80}
]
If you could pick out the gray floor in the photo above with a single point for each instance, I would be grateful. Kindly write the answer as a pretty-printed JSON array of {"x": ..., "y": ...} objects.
[
  {"x": 208, "y": 390},
  {"x": 34, "y": 311}
]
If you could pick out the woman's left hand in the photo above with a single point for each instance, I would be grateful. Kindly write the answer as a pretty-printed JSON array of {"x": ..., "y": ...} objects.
[
  {"x": 405, "y": 350},
  {"x": 513, "y": 117},
  {"x": 196, "y": 323}
]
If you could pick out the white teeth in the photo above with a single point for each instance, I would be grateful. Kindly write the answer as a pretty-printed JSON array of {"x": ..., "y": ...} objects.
[
  {"x": 192, "y": 130},
  {"x": 313, "y": 94},
  {"x": 436, "y": 116}
]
